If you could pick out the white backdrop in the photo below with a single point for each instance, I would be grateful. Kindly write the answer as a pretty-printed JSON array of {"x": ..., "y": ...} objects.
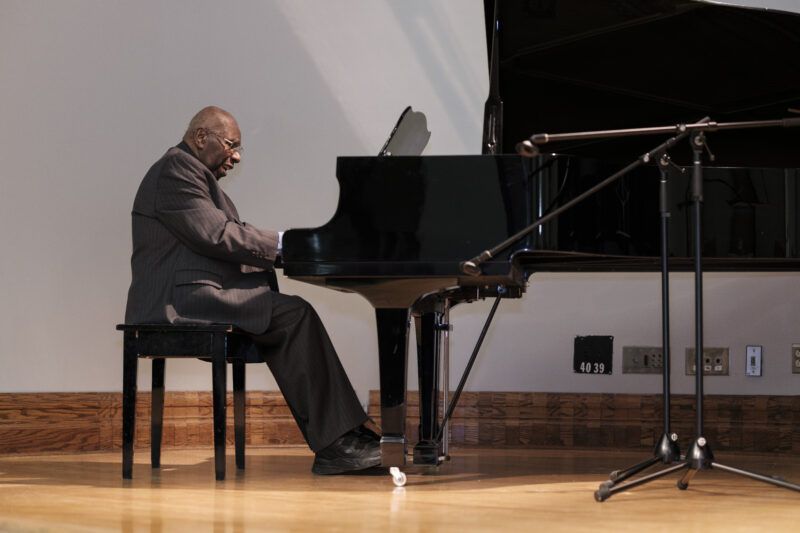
[{"x": 93, "y": 92}]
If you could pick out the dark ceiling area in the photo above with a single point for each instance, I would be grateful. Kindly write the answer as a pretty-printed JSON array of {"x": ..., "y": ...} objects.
[{"x": 585, "y": 65}]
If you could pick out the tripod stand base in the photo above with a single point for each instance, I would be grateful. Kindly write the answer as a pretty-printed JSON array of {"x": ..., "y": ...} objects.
[
  {"x": 666, "y": 451},
  {"x": 698, "y": 457},
  {"x": 608, "y": 489}
]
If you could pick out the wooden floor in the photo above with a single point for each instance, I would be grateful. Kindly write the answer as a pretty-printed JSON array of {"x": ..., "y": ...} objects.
[{"x": 478, "y": 490}]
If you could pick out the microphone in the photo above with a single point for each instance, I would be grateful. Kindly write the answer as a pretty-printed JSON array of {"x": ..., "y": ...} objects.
[
  {"x": 473, "y": 266},
  {"x": 527, "y": 148}
]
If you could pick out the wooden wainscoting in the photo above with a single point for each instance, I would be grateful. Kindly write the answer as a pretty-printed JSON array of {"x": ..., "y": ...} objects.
[
  {"x": 70, "y": 422},
  {"x": 615, "y": 421}
]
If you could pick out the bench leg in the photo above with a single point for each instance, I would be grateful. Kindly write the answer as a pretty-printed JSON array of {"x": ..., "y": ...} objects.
[
  {"x": 157, "y": 412},
  {"x": 239, "y": 411},
  {"x": 218, "y": 372},
  {"x": 130, "y": 363}
]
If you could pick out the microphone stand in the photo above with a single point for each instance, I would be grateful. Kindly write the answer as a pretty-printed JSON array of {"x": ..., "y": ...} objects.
[
  {"x": 666, "y": 450},
  {"x": 699, "y": 455}
]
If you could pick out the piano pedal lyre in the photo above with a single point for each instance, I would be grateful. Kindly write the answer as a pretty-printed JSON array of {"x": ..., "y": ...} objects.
[{"x": 443, "y": 328}]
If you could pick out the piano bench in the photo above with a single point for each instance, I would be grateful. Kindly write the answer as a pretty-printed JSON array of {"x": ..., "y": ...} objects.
[{"x": 218, "y": 343}]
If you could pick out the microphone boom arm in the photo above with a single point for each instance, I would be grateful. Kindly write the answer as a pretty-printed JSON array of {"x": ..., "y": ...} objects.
[
  {"x": 530, "y": 146},
  {"x": 472, "y": 266}
]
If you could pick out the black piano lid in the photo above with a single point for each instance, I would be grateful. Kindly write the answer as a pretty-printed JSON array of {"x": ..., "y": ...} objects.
[{"x": 579, "y": 65}]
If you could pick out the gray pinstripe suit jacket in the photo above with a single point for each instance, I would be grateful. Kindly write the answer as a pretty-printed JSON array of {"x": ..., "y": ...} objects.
[{"x": 193, "y": 259}]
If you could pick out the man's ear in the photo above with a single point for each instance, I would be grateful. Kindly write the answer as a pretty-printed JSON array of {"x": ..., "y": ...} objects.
[{"x": 200, "y": 138}]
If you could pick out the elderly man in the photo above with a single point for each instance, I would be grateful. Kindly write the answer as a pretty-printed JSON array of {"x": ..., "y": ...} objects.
[{"x": 195, "y": 261}]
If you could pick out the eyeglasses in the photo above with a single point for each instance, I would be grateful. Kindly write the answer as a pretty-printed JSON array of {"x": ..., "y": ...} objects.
[{"x": 229, "y": 144}]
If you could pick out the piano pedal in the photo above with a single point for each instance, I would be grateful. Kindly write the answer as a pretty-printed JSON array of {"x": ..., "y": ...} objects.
[{"x": 400, "y": 478}]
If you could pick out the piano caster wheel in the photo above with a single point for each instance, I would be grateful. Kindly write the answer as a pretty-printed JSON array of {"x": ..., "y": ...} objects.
[{"x": 399, "y": 478}]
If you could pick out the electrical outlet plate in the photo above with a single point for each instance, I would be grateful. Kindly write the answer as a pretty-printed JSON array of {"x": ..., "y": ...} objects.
[
  {"x": 715, "y": 361},
  {"x": 795, "y": 358},
  {"x": 642, "y": 360}
]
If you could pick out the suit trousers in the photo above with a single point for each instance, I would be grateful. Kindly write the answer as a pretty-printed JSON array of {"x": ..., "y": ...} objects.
[{"x": 301, "y": 357}]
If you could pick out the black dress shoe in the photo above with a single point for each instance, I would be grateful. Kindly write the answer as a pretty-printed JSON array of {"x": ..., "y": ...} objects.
[{"x": 357, "y": 449}]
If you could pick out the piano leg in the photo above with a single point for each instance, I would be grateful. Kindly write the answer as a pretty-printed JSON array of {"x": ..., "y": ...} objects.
[
  {"x": 428, "y": 325},
  {"x": 393, "y": 363}
]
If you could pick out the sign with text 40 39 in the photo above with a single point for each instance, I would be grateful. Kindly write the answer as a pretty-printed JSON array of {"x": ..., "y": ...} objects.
[{"x": 592, "y": 354}]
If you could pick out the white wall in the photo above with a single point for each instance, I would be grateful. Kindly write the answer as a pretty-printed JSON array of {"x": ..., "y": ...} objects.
[{"x": 93, "y": 92}]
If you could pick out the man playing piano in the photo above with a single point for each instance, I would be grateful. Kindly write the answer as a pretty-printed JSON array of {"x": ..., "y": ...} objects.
[{"x": 195, "y": 261}]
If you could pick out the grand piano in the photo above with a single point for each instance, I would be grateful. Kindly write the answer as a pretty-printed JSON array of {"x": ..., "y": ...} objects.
[{"x": 405, "y": 224}]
